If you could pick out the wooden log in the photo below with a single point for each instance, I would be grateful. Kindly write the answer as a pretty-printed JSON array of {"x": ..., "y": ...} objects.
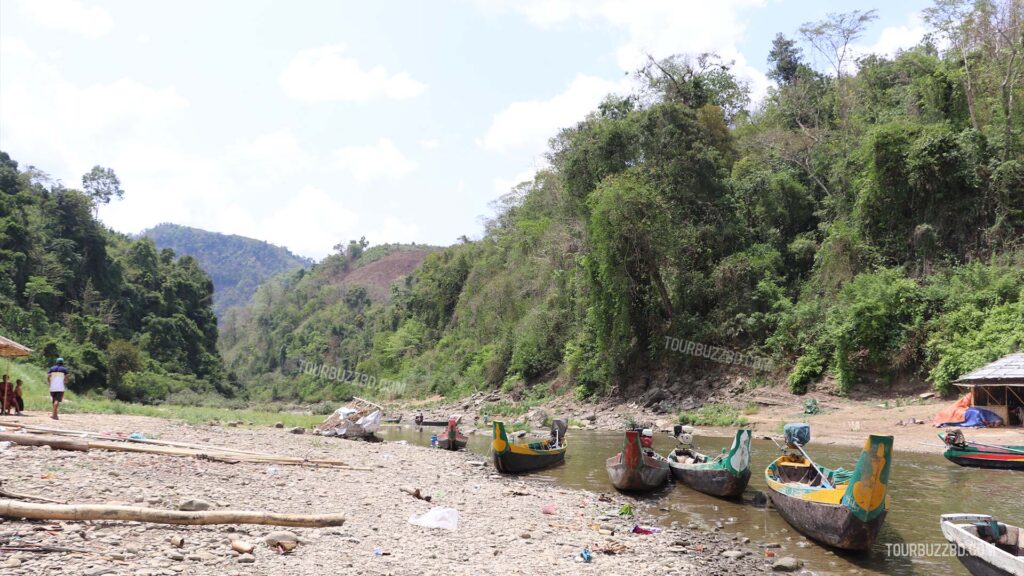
[
  {"x": 51, "y": 441},
  {"x": 83, "y": 512}
]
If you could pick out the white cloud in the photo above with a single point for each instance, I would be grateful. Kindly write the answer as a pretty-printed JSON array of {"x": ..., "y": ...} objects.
[
  {"x": 505, "y": 185},
  {"x": 373, "y": 162},
  {"x": 529, "y": 124},
  {"x": 892, "y": 39},
  {"x": 271, "y": 154},
  {"x": 430, "y": 144},
  {"x": 69, "y": 16},
  {"x": 657, "y": 27},
  {"x": 327, "y": 74},
  {"x": 309, "y": 222}
]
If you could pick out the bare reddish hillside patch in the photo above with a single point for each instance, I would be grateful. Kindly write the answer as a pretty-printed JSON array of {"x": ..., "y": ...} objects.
[{"x": 378, "y": 276}]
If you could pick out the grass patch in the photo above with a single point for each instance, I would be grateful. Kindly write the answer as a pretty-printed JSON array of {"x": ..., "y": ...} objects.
[
  {"x": 713, "y": 415},
  {"x": 751, "y": 408},
  {"x": 37, "y": 399}
]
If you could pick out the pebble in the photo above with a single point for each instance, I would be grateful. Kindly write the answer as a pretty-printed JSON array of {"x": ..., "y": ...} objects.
[
  {"x": 11, "y": 563},
  {"x": 194, "y": 505},
  {"x": 246, "y": 559}
]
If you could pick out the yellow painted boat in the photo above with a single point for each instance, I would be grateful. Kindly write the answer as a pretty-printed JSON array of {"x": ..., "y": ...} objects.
[{"x": 513, "y": 457}]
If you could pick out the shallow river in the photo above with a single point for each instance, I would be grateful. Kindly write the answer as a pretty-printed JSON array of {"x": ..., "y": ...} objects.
[{"x": 921, "y": 487}]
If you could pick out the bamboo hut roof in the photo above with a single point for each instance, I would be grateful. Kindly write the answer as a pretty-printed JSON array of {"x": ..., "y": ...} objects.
[{"x": 1007, "y": 371}]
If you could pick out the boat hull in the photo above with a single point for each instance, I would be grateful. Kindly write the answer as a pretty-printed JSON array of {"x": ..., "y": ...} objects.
[
  {"x": 515, "y": 463},
  {"x": 829, "y": 524},
  {"x": 515, "y": 458},
  {"x": 721, "y": 483},
  {"x": 445, "y": 444},
  {"x": 636, "y": 469},
  {"x": 985, "y": 459},
  {"x": 641, "y": 478},
  {"x": 981, "y": 557}
]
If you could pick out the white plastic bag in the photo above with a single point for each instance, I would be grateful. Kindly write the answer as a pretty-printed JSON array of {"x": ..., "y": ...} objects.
[
  {"x": 370, "y": 423},
  {"x": 447, "y": 518}
]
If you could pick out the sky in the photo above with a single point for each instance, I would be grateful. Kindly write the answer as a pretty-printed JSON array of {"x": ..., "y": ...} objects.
[{"x": 309, "y": 123}]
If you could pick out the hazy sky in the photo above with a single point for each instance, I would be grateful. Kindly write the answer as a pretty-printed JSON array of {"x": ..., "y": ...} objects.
[{"x": 307, "y": 123}]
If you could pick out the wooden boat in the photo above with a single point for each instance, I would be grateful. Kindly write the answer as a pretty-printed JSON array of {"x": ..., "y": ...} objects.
[
  {"x": 837, "y": 507},
  {"x": 725, "y": 475},
  {"x": 513, "y": 457},
  {"x": 985, "y": 547},
  {"x": 452, "y": 439},
  {"x": 960, "y": 451},
  {"x": 636, "y": 468}
]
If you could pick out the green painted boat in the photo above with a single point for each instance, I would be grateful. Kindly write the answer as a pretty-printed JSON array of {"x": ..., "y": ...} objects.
[
  {"x": 836, "y": 507},
  {"x": 725, "y": 476}
]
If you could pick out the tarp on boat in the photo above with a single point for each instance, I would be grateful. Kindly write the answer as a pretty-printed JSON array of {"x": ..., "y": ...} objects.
[
  {"x": 975, "y": 417},
  {"x": 954, "y": 413},
  {"x": 358, "y": 419}
]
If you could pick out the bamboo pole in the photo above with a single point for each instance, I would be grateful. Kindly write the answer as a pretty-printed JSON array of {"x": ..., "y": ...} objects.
[
  {"x": 83, "y": 512},
  {"x": 213, "y": 454},
  {"x": 209, "y": 451},
  {"x": 53, "y": 442}
]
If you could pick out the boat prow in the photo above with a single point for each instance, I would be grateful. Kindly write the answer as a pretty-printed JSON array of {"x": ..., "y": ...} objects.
[
  {"x": 985, "y": 547},
  {"x": 636, "y": 468}
]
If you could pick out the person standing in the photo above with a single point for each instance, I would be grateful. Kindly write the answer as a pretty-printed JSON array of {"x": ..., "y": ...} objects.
[
  {"x": 19, "y": 398},
  {"x": 56, "y": 376},
  {"x": 7, "y": 392}
]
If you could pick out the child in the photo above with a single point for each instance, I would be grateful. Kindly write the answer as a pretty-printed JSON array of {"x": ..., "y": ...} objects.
[{"x": 18, "y": 398}]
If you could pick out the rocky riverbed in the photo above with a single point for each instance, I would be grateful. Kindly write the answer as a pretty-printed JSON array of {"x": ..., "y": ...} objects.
[{"x": 509, "y": 525}]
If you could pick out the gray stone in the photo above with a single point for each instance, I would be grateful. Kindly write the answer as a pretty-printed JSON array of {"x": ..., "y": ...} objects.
[
  {"x": 734, "y": 554},
  {"x": 278, "y": 424},
  {"x": 786, "y": 564},
  {"x": 194, "y": 505},
  {"x": 246, "y": 559},
  {"x": 298, "y": 430}
]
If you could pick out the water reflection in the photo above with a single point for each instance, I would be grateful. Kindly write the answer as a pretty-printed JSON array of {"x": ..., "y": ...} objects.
[{"x": 921, "y": 488}]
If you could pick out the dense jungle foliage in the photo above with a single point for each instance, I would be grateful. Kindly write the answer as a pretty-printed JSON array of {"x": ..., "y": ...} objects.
[
  {"x": 132, "y": 322},
  {"x": 236, "y": 264},
  {"x": 861, "y": 225}
]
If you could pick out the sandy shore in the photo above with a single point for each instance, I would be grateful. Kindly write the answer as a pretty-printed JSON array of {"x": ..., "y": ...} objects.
[{"x": 502, "y": 528}]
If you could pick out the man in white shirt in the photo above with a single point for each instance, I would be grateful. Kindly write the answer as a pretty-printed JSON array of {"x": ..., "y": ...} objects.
[{"x": 56, "y": 376}]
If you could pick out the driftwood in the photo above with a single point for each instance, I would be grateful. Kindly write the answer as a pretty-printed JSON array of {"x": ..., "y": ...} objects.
[
  {"x": 83, "y": 512},
  {"x": 214, "y": 453},
  {"x": 53, "y": 442}
]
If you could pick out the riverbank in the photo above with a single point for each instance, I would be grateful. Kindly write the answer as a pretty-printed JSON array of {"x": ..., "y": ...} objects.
[
  {"x": 840, "y": 422},
  {"x": 502, "y": 527}
]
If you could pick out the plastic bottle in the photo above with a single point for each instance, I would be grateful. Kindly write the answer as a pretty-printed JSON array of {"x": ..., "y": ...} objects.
[
  {"x": 433, "y": 441},
  {"x": 378, "y": 551}
]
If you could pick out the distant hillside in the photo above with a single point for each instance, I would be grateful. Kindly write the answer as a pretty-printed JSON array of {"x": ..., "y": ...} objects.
[
  {"x": 310, "y": 314},
  {"x": 236, "y": 264}
]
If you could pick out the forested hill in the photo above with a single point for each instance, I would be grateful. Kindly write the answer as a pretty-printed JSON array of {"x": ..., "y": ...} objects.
[
  {"x": 319, "y": 312},
  {"x": 861, "y": 226},
  {"x": 131, "y": 320},
  {"x": 236, "y": 264}
]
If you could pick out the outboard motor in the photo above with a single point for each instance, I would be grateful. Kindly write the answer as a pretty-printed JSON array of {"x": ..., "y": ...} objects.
[
  {"x": 558, "y": 430},
  {"x": 684, "y": 434}
]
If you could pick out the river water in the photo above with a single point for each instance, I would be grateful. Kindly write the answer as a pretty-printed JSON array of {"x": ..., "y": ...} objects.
[{"x": 921, "y": 487}]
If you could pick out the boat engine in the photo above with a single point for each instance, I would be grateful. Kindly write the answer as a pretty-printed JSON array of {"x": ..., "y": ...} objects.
[{"x": 684, "y": 434}]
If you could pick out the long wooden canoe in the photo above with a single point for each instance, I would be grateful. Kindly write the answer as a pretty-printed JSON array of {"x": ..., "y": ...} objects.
[
  {"x": 964, "y": 453},
  {"x": 512, "y": 457},
  {"x": 985, "y": 547},
  {"x": 725, "y": 476},
  {"x": 636, "y": 468},
  {"x": 835, "y": 507},
  {"x": 452, "y": 439}
]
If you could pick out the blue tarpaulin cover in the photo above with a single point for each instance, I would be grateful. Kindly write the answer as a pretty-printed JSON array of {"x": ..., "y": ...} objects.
[
  {"x": 975, "y": 417},
  {"x": 797, "y": 433}
]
